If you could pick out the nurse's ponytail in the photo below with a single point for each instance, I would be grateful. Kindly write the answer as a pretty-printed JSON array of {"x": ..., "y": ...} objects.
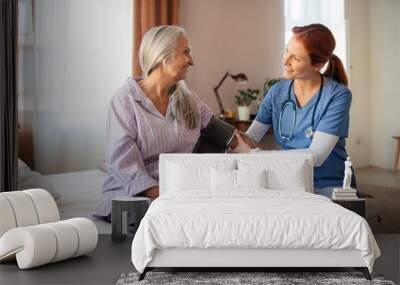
[
  {"x": 320, "y": 43},
  {"x": 336, "y": 70}
]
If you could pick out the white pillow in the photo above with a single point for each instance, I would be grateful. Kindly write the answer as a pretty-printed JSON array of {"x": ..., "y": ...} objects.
[
  {"x": 282, "y": 174},
  {"x": 251, "y": 178},
  {"x": 186, "y": 175},
  {"x": 223, "y": 179},
  {"x": 292, "y": 179},
  {"x": 183, "y": 178},
  {"x": 28, "y": 179},
  {"x": 237, "y": 179},
  {"x": 102, "y": 166}
]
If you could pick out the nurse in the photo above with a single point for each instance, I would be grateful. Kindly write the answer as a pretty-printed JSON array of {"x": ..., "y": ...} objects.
[{"x": 309, "y": 109}]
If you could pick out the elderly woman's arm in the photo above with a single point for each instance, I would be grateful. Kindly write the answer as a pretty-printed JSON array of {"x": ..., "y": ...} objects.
[
  {"x": 205, "y": 111},
  {"x": 124, "y": 159}
]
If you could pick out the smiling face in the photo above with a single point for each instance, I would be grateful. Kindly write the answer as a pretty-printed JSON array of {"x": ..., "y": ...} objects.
[
  {"x": 178, "y": 68},
  {"x": 297, "y": 61}
]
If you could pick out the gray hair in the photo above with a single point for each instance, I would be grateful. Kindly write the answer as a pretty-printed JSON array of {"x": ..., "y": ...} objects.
[{"x": 158, "y": 45}]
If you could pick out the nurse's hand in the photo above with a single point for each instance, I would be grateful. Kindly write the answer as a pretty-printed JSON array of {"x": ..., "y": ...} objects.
[{"x": 238, "y": 145}]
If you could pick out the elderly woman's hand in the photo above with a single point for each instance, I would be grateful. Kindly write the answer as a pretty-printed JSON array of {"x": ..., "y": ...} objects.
[
  {"x": 152, "y": 192},
  {"x": 239, "y": 145}
]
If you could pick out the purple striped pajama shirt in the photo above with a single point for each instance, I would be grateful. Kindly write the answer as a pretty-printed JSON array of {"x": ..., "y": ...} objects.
[{"x": 136, "y": 135}]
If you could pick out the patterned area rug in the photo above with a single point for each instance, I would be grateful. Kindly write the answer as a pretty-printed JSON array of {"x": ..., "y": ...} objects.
[{"x": 242, "y": 278}]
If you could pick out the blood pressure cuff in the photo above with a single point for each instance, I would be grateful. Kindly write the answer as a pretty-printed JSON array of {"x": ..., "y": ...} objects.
[{"x": 215, "y": 138}]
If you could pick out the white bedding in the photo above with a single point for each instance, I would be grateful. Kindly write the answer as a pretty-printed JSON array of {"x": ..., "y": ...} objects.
[
  {"x": 79, "y": 194},
  {"x": 253, "y": 218}
]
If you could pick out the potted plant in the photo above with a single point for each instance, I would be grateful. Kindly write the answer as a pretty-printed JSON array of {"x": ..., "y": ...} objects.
[
  {"x": 243, "y": 101},
  {"x": 269, "y": 82},
  {"x": 267, "y": 85}
]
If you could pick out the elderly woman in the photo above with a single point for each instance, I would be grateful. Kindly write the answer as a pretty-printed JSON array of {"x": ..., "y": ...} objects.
[{"x": 151, "y": 115}]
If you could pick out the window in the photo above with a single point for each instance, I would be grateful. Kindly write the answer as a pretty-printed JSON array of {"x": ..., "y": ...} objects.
[{"x": 328, "y": 12}]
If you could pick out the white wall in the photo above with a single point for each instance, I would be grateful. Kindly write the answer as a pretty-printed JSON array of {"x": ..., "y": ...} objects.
[
  {"x": 374, "y": 41},
  {"x": 358, "y": 143},
  {"x": 223, "y": 37},
  {"x": 240, "y": 36},
  {"x": 384, "y": 78},
  {"x": 83, "y": 55},
  {"x": 243, "y": 36}
]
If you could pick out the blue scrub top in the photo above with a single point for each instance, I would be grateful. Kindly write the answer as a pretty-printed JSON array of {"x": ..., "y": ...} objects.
[{"x": 331, "y": 117}]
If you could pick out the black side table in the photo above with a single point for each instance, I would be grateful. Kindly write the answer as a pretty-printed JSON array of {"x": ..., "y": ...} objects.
[
  {"x": 124, "y": 210},
  {"x": 357, "y": 205}
]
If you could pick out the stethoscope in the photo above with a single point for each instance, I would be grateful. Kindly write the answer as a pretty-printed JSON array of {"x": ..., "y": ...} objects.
[{"x": 290, "y": 103}]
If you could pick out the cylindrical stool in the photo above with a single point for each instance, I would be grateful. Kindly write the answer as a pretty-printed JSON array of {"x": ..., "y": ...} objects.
[{"x": 123, "y": 207}]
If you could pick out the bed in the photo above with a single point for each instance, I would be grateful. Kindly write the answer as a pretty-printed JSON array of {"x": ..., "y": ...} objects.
[
  {"x": 76, "y": 193},
  {"x": 218, "y": 210},
  {"x": 79, "y": 193}
]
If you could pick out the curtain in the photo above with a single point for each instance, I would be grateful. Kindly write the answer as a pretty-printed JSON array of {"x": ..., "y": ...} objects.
[
  {"x": 72, "y": 56},
  {"x": 8, "y": 95},
  {"x": 148, "y": 14}
]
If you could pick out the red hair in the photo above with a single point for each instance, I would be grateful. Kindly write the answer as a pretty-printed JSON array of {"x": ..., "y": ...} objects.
[{"x": 318, "y": 40}]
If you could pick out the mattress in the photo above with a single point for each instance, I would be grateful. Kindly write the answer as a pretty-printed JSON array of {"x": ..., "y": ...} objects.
[
  {"x": 79, "y": 194},
  {"x": 252, "y": 218}
]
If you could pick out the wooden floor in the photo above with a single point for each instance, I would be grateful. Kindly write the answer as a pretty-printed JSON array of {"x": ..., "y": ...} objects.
[
  {"x": 382, "y": 190},
  {"x": 102, "y": 266},
  {"x": 110, "y": 259}
]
